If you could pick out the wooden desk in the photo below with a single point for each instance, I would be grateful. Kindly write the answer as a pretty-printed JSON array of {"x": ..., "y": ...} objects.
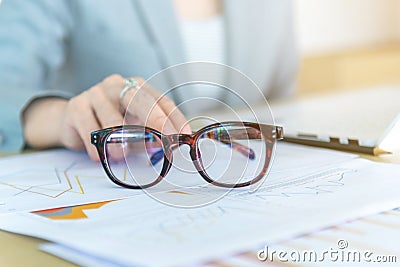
[{"x": 18, "y": 250}]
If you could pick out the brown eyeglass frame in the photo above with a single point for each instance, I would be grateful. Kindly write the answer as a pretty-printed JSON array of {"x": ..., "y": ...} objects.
[{"x": 270, "y": 134}]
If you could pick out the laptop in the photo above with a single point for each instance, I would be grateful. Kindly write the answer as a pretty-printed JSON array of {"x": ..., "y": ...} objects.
[{"x": 364, "y": 121}]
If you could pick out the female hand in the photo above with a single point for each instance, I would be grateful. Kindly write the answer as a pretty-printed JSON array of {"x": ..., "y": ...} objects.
[{"x": 52, "y": 122}]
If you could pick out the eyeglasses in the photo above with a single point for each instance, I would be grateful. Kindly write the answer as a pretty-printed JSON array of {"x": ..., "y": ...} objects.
[{"x": 226, "y": 154}]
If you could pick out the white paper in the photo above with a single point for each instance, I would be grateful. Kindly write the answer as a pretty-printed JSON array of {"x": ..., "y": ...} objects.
[
  {"x": 52, "y": 179},
  {"x": 301, "y": 194},
  {"x": 62, "y": 178}
]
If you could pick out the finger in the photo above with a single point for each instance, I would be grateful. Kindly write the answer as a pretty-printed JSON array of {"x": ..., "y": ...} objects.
[
  {"x": 145, "y": 107},
  {"x": 130, "y": 119},
  {"x": 107, "y": 112},
  {"x": 108, "y": 115},
  {"x": 130, "y": 95},
  {"x": 85, "y": 123},
  {"x": 113, "y": 86},
  {"x": 70, "y": 137},
  {"x": 171, "y": 110},
  {"x": 158, "y": 120},
  {"x": 117, "y": 151}
]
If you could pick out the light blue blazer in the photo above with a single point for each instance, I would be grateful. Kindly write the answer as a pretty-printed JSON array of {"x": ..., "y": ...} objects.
[{"x": 63, "y": 47}]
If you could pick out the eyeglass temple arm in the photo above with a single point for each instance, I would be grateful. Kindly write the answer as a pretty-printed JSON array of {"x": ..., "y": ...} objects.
[{"x": 242, "y": 149}]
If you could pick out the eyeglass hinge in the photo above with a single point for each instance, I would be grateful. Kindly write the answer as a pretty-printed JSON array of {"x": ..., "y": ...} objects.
[
  {"x": 94, "y": 139},
  {"x": 277, "y": 133}
]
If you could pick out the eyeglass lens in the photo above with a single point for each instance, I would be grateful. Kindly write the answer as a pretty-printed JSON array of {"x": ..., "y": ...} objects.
[
  {"x": 227, "y": 154},
  {"x": 128, "y": 155},
  {"x": 232, "y": 154}
]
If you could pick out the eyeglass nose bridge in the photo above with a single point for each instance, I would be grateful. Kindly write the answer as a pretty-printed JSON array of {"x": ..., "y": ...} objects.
[
  {"x": 177, "y": 139},
  {"x": 173, "y": 141}
]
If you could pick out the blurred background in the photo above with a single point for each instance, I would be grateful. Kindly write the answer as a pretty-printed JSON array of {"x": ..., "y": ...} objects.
[{"x": 347, "y": 44}]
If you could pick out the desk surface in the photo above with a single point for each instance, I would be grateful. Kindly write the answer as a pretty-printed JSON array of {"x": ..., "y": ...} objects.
[{"x": 17, "y": 250}]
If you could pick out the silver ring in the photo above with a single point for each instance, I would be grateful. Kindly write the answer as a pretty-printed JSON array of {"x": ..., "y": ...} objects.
[{"x": 130, "y": 84}]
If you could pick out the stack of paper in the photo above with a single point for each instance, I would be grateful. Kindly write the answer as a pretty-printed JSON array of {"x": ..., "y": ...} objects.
[{"x": 306, "y": 189}]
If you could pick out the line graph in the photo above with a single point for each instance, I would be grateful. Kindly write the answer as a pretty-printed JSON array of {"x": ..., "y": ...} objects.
[
  {"x": 62, "y": 178},
  {"x": 321, "y": 182},
  {"x": 53, "y": 179},
  {"x": 56, "y": 183}
]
